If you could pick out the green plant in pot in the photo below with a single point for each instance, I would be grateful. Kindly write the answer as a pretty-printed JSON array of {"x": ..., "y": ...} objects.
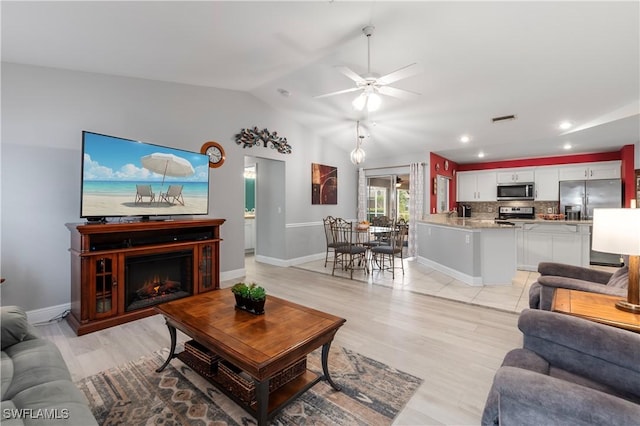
[
  {"x": 257, "y": 296},
  {"x": 241, "y": 292}
]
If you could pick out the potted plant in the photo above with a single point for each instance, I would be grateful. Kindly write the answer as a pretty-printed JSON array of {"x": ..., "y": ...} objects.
[
  {"x": 257, "y": 297},
  {"x": 241, "y": 292},
  {"x": 250, "y": 298}
]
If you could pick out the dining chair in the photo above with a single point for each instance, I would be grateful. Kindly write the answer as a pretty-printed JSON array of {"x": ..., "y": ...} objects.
[
  {"x": 383, "y": 256},
  {"x": 348, "y": 252},
  {"x": 328, "y": 223}
]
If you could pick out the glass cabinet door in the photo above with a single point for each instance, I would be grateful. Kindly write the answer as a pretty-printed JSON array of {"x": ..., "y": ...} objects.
[
  {"x": 105, "y": 286},
  {"x": 207, "y": 267}
]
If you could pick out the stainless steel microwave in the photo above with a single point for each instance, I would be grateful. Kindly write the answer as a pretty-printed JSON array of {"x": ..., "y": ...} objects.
[{"x": 515, "y": 191}]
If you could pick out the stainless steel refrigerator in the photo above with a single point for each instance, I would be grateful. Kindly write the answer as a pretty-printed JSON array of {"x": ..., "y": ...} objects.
[{"x": 585, "y": 195}]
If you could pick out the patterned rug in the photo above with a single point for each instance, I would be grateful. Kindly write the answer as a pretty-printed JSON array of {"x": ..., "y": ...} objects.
[{"x": 134, "y": 394}]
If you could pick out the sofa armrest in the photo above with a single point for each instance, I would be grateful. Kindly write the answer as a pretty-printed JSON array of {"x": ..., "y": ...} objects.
[
  {"x": 14, "y": 326},
  {"x": 599, "y": 352},
  {"x": 576, "y": 284},
  {"x": 576, "y": 272},
  {"x": 528, "y": 398}
]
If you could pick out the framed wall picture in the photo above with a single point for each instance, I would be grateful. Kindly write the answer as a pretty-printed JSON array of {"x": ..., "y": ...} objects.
[{"x": 324, "y": 184}]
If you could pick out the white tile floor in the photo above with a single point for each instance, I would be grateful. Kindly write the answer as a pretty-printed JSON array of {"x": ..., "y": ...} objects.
[{"x": 425, "y": 280}]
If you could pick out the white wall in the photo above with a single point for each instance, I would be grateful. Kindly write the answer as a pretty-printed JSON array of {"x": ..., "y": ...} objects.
[{"x": 44, "y": 111}]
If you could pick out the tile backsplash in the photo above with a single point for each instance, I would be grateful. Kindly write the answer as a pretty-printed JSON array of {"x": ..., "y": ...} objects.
[{"x": 489, "y": 210}]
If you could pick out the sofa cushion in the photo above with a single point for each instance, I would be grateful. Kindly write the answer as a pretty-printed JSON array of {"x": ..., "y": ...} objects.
[
  {"x": 620, "y": 278},
  {"x": 6, "y": 372},
  {"x": 60, "y": 398},
  {"x": 15, "y": 327},
  {"x": 35, "y": 362},
  {"x": 7, "y": 419},
  {"x": 524, "y": 358}
]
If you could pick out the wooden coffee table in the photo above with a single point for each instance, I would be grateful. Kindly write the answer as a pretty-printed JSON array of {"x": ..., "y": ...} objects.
[{"x": 261, "y": 345}]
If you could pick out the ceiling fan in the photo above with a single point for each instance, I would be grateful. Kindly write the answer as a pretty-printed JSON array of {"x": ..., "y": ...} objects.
[{"x": 372, "y": 85}]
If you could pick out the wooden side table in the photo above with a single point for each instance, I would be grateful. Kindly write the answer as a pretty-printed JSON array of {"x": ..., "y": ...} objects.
[{"x": 594, "y": 307}]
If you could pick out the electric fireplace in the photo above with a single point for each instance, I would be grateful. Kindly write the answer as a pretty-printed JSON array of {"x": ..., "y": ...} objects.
[{"x": 157, "y": 278}]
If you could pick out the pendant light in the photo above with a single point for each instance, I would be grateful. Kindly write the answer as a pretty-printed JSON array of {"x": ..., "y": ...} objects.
[{"x": 358, "y": 154}]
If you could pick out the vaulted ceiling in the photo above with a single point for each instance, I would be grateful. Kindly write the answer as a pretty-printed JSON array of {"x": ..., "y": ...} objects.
[{"x": 544, "y": 62}]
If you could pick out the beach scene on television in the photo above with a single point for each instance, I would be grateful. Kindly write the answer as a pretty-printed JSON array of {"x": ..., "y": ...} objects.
[{"x": 122, "y": 177}]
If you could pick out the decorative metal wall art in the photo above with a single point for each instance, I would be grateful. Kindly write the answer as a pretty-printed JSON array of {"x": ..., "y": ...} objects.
[{"x": 250, "y": 137}]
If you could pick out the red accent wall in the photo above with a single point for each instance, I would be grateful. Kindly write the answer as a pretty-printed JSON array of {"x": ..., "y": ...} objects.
[
  {"x": 545, "y": 161},
  {"x": 626, "y": 155},
  {"x": 628, "y": 174},
  {"x": 436, "y": 167}
]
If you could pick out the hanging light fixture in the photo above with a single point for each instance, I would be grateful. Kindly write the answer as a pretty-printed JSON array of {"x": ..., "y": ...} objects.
[{"x": 358, "y": 154}]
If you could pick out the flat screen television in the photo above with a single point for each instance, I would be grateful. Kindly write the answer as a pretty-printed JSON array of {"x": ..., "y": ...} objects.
[{"x": 127, "y": 178}]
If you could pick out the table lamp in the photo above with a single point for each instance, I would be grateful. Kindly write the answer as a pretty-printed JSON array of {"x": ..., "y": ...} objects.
[{"x": 618, "y": 231}]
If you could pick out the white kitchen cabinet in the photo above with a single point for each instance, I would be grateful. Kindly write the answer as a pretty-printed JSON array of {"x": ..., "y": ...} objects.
[
  {"x": 515, "y": 176},
  {"x": 547, "y": 184},
  {"x": 587, "y": 171},
  {"x": 476, "y": 186},
  {"x": 552, "y": 242}
]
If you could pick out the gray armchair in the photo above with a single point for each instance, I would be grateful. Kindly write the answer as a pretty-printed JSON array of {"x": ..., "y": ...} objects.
[
  {"x": 570, "y": 371},
  {"x": 558, "y": 275}
]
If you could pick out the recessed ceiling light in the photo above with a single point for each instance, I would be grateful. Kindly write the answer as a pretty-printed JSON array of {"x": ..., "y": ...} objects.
[
  {"x": 481, "y": 154},
  {"x": 464, "y": 138},
  {"x": 565, "y": 125},
  {"x": 567, "y": 146}
]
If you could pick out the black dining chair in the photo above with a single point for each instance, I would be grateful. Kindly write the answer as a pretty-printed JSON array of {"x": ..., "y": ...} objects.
[
  {"x": 383, "y": 256},
  {"x": 349, "y": 253}
]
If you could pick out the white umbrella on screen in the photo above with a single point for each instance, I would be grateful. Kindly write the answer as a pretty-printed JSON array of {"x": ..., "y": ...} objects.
[{"x": 167, "y": 165}]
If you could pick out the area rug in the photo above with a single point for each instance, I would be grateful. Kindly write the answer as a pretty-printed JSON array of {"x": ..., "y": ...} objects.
[{"x": 134, "y": 394}]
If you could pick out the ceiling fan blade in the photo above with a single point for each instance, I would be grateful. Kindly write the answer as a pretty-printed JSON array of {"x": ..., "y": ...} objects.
[
  {"x": 399, "y": 74},
  {"x": 397, "y": 93},
  {"x": 351, "y": 74},
  {"x": 353, "y": 89}
]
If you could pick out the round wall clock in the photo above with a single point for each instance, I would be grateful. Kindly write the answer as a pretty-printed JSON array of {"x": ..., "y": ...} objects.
[{"x": 215, "y": 152}]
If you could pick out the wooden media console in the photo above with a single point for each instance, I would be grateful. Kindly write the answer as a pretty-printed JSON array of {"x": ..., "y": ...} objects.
[{"x": 119, "y": 271}]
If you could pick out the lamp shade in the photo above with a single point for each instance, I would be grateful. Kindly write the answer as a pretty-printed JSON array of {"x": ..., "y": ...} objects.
[{"x": 616, "y": 231}]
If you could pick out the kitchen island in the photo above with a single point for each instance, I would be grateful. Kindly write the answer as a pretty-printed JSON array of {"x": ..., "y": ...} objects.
[
  {"x": 561, "y": 241},
  {"x": 475, "y": 251}
]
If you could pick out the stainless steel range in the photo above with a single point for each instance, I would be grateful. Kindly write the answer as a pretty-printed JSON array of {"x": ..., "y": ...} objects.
[{"x": 505, "y": 213}]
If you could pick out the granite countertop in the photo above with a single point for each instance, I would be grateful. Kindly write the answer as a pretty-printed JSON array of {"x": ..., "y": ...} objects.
[
  {"x": 465, "y": 222},
  {"x": 480, "y": 223},
  {"x": 559, "y": 222}
]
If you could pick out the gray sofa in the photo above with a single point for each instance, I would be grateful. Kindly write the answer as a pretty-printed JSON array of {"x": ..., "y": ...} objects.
[
  {"x": 36, "y": 384},
  {"x": 558, "y": 275},
  {"x": 570, "y": 371}
]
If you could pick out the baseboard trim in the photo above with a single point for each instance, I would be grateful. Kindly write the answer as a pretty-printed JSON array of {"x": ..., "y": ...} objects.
[
  {"x": 290, "y": 262},
  {"x": 231, "y": 275},
  {"x": 47, "y": 314},
  {"x": 467, "y": 279}
]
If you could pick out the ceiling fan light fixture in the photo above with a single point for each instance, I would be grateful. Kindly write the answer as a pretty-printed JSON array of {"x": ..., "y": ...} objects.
[
  {"x": 373, "y": 102},
  {"x": 360, "y": 101}
]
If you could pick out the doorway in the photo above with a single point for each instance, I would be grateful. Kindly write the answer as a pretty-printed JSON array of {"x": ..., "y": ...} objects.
[
  {"x": 388, "y": 195},
  {"x": 268, "y": 231}
]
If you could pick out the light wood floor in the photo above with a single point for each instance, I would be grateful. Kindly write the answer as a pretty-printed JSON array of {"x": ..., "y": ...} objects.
[{"x": 454, "y": 347}]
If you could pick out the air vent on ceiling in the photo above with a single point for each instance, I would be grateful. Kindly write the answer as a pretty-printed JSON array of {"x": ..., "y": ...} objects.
[{"x": 503, "y": 118}]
